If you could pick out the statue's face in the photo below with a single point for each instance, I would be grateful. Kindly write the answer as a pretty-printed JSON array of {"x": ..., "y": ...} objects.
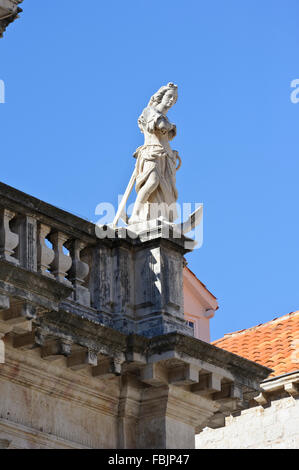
[{"x": 169, "y": 99}]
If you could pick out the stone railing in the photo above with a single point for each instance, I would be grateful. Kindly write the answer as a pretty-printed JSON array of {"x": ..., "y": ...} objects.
[
  {"x": 23, "y": 243},
  {"x": 28, "y": 247},
  {"x": 116, "y": 282},
  {"x": 46, "y": 244}
]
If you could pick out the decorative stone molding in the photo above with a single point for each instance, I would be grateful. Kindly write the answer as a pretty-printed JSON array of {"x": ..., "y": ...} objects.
[
  {"x": 20, "y": 284},
  {"x": 278, "y": 387},
  {"x": 292, "y": 388},
  {"x": 262, "y": 399}
]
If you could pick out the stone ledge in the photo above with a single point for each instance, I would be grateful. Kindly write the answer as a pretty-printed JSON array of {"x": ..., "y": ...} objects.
[
  {"x": 178, "y": 360},
  {"x": 157, "y": 347},
  {"x": 278, "y": 387},
  {"x": 211, "y": 354},
  {"x": 14, "y": 281}
]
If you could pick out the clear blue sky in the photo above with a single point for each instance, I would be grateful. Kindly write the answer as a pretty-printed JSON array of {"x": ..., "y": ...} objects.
[{"x": 77, "y": 80}]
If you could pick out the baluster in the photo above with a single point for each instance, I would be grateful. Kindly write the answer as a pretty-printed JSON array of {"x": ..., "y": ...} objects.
[
  {"x": 4, "y": 305},
  {"x": 78, "y": 273},
  {"x": 26, "y": 227},
  {"x": 62, "y": 263},
  {"x": 8, "y": 239},
  {"x": 45, "y": 255},
  {"x": 2, "y": 348}
]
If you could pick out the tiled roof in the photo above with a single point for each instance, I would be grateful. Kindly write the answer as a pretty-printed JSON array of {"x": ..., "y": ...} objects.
[{"x": 274, "y": 344}]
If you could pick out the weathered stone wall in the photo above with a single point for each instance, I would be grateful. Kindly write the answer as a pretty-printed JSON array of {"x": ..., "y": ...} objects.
[
  {"x": 44, "y": 405},
  {"x": 276, "y": 426}
]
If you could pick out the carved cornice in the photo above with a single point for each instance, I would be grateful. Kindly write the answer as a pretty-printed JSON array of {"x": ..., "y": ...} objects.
[
  {"x": 279, "y": 387},
  {"x": 195, "y": 348},
  {"x": 159, "y": 348},
  {"x": 14, "y": 280}
]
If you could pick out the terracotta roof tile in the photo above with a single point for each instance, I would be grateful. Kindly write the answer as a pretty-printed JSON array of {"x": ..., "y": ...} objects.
[{"x": 274, "y": 344}]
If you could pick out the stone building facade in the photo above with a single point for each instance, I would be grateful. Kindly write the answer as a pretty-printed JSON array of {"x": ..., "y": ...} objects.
[
  {"x": 96, "y": 352},
  {"x": 273, "y": 422}
]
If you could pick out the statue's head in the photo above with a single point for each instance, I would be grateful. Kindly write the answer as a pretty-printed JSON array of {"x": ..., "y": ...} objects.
[{"x": 165, "y": 97}]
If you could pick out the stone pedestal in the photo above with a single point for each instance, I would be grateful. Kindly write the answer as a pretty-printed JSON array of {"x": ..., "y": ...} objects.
[{"x": 139, "y": 278}]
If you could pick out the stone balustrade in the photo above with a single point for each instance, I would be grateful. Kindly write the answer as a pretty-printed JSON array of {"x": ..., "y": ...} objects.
[
  {"x": 33, "y": 238},
  {"x": 115, "y": 282},
  {"x": 23, "y": 242}
]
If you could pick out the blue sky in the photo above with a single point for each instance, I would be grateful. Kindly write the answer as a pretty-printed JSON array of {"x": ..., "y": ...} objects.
[{"x": 76, "y": 81}]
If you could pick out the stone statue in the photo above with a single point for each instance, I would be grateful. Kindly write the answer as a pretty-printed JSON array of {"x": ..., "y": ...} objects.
[{"x": 156, "y": 165}]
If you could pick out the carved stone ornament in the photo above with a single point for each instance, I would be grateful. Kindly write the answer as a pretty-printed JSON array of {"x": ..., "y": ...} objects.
[{"x": 156, "y": 163}]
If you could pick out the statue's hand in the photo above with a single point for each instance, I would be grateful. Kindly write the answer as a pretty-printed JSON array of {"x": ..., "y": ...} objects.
[{"x": 162, "y": 125}]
